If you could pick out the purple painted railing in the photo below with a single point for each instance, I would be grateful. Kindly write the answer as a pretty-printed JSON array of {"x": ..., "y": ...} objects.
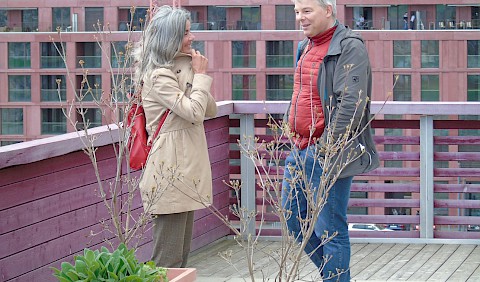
[{"x": 428, "y": 186}]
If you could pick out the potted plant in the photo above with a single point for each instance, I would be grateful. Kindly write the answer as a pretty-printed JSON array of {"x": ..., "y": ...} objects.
[
  {"x": 119, "y": 265},
  {"x": 103, "y": 265}
]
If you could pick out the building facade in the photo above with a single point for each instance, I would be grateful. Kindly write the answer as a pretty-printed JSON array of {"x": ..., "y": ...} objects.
[{"x": 251, "y": 49}]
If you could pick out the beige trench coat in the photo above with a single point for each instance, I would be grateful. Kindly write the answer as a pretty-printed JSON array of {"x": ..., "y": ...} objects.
[{"x": 177, "y": 176}]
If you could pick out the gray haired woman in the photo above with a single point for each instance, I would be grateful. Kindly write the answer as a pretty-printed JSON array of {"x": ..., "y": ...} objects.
[{"x": 177, "y": 178}]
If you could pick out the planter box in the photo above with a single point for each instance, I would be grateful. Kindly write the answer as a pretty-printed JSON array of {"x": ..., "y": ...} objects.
[{"x": 181, "y": 274}]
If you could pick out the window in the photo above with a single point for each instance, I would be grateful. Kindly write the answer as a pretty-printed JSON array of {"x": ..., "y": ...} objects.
[
  {"x": 250, "y": 19},
  {"x": 12, "y": 121},
  {"x": 90, "y": 53},
  {"x": 217, "y": 18},
  {"x": 244, "y": 54},
  {"x": 89, "y": 88},
  {"x": 285, "y": 17},
  {"x": 430, "y": 54},
  {"x": 30, "y": 20},
  {"x": 53, "y": 88},
  {"x": 363, "y": 18},
  {"x": 473, "y": 53},
  {"x": 395, "y": 16},
  {"x": 475, "y": 14},
  {"x": 19, "y": 55},
  {"x": 473, "y": 87},
  {"x": 199, "y": 45},
  {"x": 279, "y": 54},
  {"x": 401, "y": 54},
  {"x": 61, "y": 18},
  {"x": 50, "y": 56},
  {"x": 92, "y": 118},
  {"x": 19, "y": 88},
  {"x": 430, "y": 88},
  {"x": 244, "y": 87},
  {"x": 118, "y": 54},
  {"x": 137, "y": 18},
  {"x": 403, "y": 88},
  {"x": 93, "y": 16},
  {"x": 3, "y": 17},
  {"x": 53, "y": 122},
  {"x": 122, "y": 85},
  {"x": 279, "y": 87},
  {"x": 9, "y": 142},
  {"x": 445, "y": 14}
]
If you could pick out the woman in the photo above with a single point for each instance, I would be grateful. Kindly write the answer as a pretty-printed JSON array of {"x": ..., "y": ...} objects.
[{"x": 177, "y": 178}]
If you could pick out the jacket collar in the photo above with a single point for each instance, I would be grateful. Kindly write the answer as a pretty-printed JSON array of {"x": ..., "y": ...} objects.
[{"x": 340, "y": 34}]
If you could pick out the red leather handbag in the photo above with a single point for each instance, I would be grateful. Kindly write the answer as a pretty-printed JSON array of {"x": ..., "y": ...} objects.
[{"x": 137, "y": 141}]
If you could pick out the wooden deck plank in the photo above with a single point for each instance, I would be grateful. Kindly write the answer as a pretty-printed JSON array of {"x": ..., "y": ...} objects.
[
  {"x": 416, "y": 262},
  {"x": 369, "y": 262},
  {"x": 396, "y": 264},
  {"x": 365, "y": 274},
  {"x": 452, "y": 264},
  {"x": 475, "y": 275},
  {"x": 433, "y": 264},
  {"x": 470, "y": 268},
  {"x": 238, "y": 262},
  {"x": 362, "y": 253}
]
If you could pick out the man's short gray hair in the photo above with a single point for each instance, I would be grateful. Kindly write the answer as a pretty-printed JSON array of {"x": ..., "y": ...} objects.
[{"x": 325, "y": 3}]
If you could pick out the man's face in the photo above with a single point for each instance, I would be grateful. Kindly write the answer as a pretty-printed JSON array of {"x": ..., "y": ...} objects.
[{"x": 313, "y": 18}]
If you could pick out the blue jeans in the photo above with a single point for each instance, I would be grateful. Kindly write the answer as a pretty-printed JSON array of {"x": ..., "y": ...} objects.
[{"x": 332, "y": 218}]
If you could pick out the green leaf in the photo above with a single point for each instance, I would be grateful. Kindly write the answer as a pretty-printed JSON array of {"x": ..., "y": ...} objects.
[{"x": 72, "y": 274}]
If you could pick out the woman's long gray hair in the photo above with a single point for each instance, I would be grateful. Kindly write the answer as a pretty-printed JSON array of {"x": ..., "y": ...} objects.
[{"x": 161, "y": 40}]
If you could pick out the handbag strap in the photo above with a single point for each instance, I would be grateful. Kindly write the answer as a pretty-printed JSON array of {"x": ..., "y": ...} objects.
[
  {"x": 162, "y": 119},
  {"x": 160, "y": 123}
]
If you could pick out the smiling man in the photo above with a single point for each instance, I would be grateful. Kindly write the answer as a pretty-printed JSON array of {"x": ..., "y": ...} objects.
[{"x": 332, "y": 90}]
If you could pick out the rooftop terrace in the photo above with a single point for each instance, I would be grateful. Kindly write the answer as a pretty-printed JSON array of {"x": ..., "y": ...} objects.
[{"x": 48, "y": 204}]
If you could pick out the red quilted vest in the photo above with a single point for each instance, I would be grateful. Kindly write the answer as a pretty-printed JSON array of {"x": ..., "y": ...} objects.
[{"x": 306, "y": 109}]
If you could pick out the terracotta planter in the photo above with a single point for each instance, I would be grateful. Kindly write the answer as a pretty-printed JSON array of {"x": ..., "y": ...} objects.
[{"x": 181, "y": 274}]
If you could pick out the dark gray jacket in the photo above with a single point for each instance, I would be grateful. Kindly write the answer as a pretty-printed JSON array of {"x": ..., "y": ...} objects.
[{"x": 345, "y": 80}]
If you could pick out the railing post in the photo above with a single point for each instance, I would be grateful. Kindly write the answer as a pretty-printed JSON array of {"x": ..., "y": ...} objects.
[
  {"x": 247, "y": 200},
  {"x": 426, "y": 177}
]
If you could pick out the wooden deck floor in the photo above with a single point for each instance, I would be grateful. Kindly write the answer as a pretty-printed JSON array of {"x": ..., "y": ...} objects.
[{"x": 369, "y": 262}]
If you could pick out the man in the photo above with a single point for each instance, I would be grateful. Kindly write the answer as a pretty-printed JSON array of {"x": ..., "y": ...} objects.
[{"x": 332, "y": 89}]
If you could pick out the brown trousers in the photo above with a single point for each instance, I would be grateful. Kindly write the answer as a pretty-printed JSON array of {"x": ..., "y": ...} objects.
[{"x": 172, "y": 236}]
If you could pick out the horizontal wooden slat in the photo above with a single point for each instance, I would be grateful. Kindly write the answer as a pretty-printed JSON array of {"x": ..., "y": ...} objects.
[
  {"x": 456, "y": 188},
  {"x": 456, "y": 172},
  {"x": 461, "y": 204},
  {"x": 398, "y": 219},
  {"x": 396, "y": 123},
  {"x": 386, "y": 187},
  {"x": 455, "y": 235},
  {"x": 456, "y": 140},
  {"x": 403, "y": 140},
  {"x": 454, "y": 220},
  {"x": 456, "y": 124}
]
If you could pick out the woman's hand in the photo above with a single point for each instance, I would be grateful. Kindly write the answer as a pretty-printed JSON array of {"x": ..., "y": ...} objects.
[{"x": 199, "y": 62}]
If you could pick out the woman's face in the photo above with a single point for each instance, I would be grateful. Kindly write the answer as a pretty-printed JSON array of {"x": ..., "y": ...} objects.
[{"x": 187, "y": 39}]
